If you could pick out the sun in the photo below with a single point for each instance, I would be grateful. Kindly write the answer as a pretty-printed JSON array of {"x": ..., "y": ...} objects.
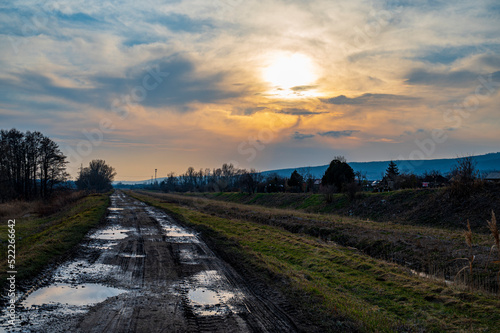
[{"x": 288, "y": 71}]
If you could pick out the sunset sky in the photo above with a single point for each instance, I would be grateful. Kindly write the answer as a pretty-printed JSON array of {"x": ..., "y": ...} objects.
[{"x": 262, "y": 84}]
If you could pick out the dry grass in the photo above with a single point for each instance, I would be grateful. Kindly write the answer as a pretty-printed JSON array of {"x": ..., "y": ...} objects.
[
  {"x": 339, "y": 282},
  {"x": 432, "y": 250},
  {"x": 41, "y": 240},
  {"x": 492, "y": 225},
  {"x": 470, "y": 258},
  {"x": 19, "y": 208}
]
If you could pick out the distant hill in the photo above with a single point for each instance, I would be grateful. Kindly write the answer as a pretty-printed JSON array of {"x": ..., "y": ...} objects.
[{"x": 375, "y": 170}]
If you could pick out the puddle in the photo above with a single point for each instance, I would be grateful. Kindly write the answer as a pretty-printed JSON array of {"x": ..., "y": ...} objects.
[
  {"x": 133, "y": 255},
  {"x": 172, "y": 231},
  {"x": 209, "y": 295},
  {"x": 103, "y": 246},
  {"x": 181, "y": 234},
  {"x": 111, "y": 234},
  {"x": 207, "y": 302},
  {"x": 203, "y": 296},
  {"x": 80, "y": 295},
  {"x": 186, "y": 256}
]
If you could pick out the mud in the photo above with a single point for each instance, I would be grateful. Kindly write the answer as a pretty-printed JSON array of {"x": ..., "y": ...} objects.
[{"x": 143, "y": 272}]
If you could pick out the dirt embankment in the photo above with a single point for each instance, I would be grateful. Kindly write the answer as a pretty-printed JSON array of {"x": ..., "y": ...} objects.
[
  {"x": 421, "y": 248},
  {"x": 432, "y": 207}
]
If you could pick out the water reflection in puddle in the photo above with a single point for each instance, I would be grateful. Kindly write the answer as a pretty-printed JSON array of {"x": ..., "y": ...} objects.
[
  {"x": 208, "y": 295},
  {"x": 111, "y": 234},
  {"x": 172, "y": 231},
  {"x": 123, "y": 255},
  {"x": 80, "y": 295},
  {"x": 207, "y": 302},
  {"x": 203, "y": 296}
]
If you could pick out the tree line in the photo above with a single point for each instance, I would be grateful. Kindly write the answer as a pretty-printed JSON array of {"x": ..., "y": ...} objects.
[
  {"x": 31, "y": 165},
  {"x": 338, "y": 178},
  {"x": 229, "y": 178}
]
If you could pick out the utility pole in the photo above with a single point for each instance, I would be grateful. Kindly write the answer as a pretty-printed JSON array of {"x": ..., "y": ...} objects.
[{"x": 155, "y": 176}]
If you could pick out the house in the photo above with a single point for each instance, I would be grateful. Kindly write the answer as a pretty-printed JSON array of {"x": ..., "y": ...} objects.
[
  {"x": 493, "y": 177},
  {"x": 434, "y": 181}
]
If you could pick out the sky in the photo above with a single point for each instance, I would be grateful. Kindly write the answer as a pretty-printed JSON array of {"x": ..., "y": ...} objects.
[{"x": 261, "y": 84}]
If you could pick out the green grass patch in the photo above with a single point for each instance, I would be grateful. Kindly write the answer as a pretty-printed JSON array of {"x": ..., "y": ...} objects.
[
  {"x": 375, "y": 295},
  {"x": 40, "y": 241}
]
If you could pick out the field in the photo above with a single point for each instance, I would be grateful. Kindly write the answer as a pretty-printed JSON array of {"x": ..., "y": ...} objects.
[{"x": 351, "y": 273}]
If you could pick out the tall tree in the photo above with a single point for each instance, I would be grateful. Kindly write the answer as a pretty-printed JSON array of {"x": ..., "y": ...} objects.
[
  {"x": 249, "y": 180},
  {"x": 295, "y": 181},
  {"x": 31, "y": 165},
  {"x": 392, "y": 170},
  {"x": 338, "y": 173},
  {"x": 97, "y": 177}
]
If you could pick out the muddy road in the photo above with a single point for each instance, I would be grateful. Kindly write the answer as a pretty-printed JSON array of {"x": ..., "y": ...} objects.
[{"x": 143, "y": 272}]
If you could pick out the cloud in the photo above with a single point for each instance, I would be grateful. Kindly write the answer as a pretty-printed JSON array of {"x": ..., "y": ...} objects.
[
  {"x": 184, "y": 84},
  {"x": 181, "y": 22},
  {"x": 455, "y": 78},
  {"x": 490, "y": 60},
  {"x": 179, "y": 84},
  {"x": 368, "y": 99},
  {"x": 448, "y": 55},
  {"x": 66, "y": 62},
  {"x": 300, "y": 136},
  {"x": 303, "y": 88},
  {"x": 298, "y": 112},
  {"x": 462, "y": 78},
  {"x": 247, "y": 111},
  {"x": 338, "y": 134},
  {"x": 29, "y": 85}
]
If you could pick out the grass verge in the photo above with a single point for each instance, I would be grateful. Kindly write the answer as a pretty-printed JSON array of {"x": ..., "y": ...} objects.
[
  {"x": 39, "y": 241},
  {"x": 432, "y": 250},
  {"x": 341, "y": 282},
  {"x": 425, "y": 207}
]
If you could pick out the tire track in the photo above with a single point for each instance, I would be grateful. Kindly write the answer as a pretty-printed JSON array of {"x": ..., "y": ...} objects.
[{"x": 168, "y": 278}]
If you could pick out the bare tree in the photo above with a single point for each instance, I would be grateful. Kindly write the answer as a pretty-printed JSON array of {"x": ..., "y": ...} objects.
[
  {"x": 464, "y": 176},
  {"x": 465, "y": 170},
  {"x": 31, "y": 165},
  {"x": 97, "y": 177},
  {"x": 249, "y": 180}
]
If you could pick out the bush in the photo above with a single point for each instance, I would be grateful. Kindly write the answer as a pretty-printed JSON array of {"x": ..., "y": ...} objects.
[
  {"x": 350, "y": 189},
  {"x": 328, "y": 192}
]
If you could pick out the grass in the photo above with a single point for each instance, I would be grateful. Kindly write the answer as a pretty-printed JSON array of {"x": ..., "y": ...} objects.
[
  {"x": 427, "y": 207},
  {"x": 333, "y": 281},
  {"x": 41, "y": 240},
  {"x": 432, "y": 250}
]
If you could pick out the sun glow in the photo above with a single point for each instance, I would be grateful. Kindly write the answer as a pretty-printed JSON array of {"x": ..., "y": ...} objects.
[{"x": 291, "y": 75}]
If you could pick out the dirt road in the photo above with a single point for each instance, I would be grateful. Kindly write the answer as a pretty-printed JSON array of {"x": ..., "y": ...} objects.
[{"x": 143, "y": 272}]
